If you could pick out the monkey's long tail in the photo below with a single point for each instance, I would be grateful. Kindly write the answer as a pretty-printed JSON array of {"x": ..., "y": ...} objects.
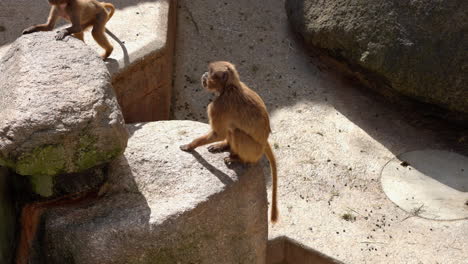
[
  {"x": 111, "y": 8},
  {"x": 274, "y": 182}
]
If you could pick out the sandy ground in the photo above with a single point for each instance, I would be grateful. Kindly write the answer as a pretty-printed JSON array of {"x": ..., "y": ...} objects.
[{"x": 331, "y": 138}]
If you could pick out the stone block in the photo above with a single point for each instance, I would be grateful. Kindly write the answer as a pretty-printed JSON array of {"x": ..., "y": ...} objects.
[{"x": 164, "y": 205}]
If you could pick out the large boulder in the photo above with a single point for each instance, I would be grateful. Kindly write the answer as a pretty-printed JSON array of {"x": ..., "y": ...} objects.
[
  {"x": 417, "y": 48},
  {"x": 164, "y": 205},
  {"x": 58, "y": 111}
]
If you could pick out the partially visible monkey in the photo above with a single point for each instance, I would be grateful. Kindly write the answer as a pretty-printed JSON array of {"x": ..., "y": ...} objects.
[
  {"x": 82, "y": 14},
  {"x": 239, "y": 118}
]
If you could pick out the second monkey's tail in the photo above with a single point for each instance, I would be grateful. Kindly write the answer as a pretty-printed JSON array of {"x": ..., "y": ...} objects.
[
  {"x": 274, "y": 182},
  {"x": 111, "y": 8}
]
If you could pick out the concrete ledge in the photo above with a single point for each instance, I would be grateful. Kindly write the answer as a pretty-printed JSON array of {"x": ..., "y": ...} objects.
[
  {"x": 142, "y": 60},
  {"x": 164, "y": 205},
  {"x": 142, "y": 74}
]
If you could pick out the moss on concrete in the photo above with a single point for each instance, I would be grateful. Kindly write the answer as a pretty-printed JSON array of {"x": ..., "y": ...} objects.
[
  {"x": 46, "y": 160},
  {"x": 88, "y": 155},
  {"x": 5, "y": 162},
  {"x": 42, "y": 185},
  {"x": 50, "y": 160}
]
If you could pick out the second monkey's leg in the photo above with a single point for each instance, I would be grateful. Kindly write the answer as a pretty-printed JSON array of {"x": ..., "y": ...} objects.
[{"x": 98, "y": 34}]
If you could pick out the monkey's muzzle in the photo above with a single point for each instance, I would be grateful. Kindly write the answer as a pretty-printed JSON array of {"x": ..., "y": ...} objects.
[{"x": 204, "y": 80}]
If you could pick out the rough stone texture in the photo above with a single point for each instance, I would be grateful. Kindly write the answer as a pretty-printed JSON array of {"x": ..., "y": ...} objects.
[
  {"x": 331, "y": 137},
  {"x": 141, "y": 63},
  {"x": 417, "y": 48},
  {"x": 7, "y": 217},
  {"x": 165, "y": 206},
  {"x": 58, "y": 111}
]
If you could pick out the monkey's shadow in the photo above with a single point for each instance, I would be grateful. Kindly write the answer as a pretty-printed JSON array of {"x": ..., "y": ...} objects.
[{"x": 238, "y": 168}]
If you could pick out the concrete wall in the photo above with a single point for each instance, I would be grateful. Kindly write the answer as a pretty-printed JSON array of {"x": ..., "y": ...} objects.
[{"x": 144, "y": 89}]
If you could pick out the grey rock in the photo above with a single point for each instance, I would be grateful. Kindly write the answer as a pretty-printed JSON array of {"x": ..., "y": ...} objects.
[
  {"x": 164, "y": 205},
  {"x": 417, "y": 48},
  {"x": 58, "y": 111}
]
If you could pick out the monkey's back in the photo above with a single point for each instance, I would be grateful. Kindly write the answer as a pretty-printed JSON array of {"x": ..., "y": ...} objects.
[{"x": 246, "y": 111}]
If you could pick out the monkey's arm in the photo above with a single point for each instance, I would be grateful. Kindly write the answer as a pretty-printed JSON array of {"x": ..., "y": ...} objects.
[
  {"x": 203, "y": 140},
  {"x": 76, "y": 24},
  {"x": 53, "y": 15}
]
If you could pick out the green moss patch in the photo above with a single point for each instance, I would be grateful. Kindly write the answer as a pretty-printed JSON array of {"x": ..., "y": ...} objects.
[
  {"x": 46, "y": 160},
  {"x": 88, "y": 155},
  {"x": 42, "y": 185}
]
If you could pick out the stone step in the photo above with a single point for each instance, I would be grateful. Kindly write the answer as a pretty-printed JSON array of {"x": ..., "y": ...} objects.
[
  {"x": 142, "y": 60},
  {"x": 164, "y": 205}
]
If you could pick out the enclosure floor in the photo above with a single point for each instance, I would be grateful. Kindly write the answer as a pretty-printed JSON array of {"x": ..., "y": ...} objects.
[{"x": 331, "y": 138}]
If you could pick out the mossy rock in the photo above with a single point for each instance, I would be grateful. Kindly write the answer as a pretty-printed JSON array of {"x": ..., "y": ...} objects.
[{"x": 58, "y": 111}]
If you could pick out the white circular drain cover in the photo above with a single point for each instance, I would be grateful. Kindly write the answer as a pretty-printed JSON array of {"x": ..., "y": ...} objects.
[{"x": 431, "y": 184}]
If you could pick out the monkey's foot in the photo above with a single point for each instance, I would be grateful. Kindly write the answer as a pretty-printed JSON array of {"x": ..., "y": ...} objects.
[
  {"x": 232, "y": 159},
  {"x": 217, "y": 148},
  {"x": 61, "y": 35},
  {"x": 186, "y": 148},
  {"x": 106, "y": 54},
  {"x": 29, "y": 30}
]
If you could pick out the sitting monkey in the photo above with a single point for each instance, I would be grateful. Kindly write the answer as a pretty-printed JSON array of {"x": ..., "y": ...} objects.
[{"x": 239, "y": 118}]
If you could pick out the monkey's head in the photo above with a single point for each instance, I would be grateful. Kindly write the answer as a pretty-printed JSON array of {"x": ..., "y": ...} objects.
[
  {"x": 220, "y": 74},
  {"x": 57, "y": 2}
]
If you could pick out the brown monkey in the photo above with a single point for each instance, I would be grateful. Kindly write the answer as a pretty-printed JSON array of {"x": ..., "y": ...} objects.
[
  {"x": 239, "y": 118},
  {"x": 82, "y": 14}
]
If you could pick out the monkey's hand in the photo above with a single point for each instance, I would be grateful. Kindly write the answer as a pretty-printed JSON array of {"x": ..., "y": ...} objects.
[
  {"x": 186, "y": 148},
  {"x": 61, "y": 34},
  {"x": 204, "y": 79},
  {"x": 29, "y": 30}
]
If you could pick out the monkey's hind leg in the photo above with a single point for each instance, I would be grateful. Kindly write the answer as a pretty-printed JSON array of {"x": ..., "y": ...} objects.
[
  {"x": 220, "y": 147},
  {"x": 79, "y": 35},
  {"x": 100, "y": 37},
  {"x": 244, "y": 146}
]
